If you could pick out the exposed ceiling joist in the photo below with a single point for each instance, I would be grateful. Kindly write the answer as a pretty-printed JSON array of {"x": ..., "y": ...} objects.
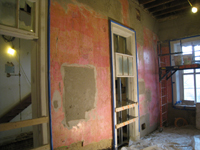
[
  {"x": 174, "y": 9},
  {"x": 171, "y": 15},
  {"x": 157, "y": 3},
  {"x": 162, "y": 9},
  {"x": 167, "y": 6},
  {"x": 145, "y": 1}
]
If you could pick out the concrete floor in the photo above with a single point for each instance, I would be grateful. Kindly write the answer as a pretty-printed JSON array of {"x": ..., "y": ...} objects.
[{"x": 172, "y": 138}]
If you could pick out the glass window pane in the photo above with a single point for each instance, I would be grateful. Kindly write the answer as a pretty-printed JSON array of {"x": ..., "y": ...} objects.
[
  {"x": 119, "y": 65},
  {"x": 27, "y": 15},
  {"x": 122, "y": 45},
  {"x": 198, "y": 81},
  {"x": 197, "y": 58},
  {"x": 115, "y": 42},
  {"x": 198, "y": 86},
  {"x": 188, "y": 87},
  {"x": 130, "y": 65},
  {"x": 125, "y": 65},
  {"x": 196, "y": 48},
  {"x": 198, "y": 95},
  {"x": 188, "y": 71},
  {"x": 187, "y": 50},
  {"x": 197, "y": 70},
  {"x": 8, "y": 12}
]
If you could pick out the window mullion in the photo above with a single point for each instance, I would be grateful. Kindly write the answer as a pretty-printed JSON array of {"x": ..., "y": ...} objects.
[
  {"x": 195, "y": 92},
  {"x": 182, "y": 86}
]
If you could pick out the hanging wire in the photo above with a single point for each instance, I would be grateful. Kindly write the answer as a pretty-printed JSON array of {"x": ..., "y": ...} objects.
[
  {"x": 189, "y": 3},
  {"x": 19, "y": 80}
]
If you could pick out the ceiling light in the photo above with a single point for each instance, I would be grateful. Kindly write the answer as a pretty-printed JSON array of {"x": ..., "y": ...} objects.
[
  {"x": 194, "y": 9},
  {"x": 11, "y": 51}
]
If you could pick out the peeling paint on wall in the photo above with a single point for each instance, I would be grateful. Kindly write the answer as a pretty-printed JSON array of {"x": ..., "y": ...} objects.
[
  {"x": 80, "y": 36},
  {"x": 125, "y": 6},
  {"x": 56, "y": 100}
]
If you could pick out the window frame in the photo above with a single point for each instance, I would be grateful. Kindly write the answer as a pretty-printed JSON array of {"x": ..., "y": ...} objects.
[
  {"x": 20, "y": 33},
  {"x": 39, "y": 79},
  {"x": 177, "y": 79},
  {"x": 130, "y": 35}
]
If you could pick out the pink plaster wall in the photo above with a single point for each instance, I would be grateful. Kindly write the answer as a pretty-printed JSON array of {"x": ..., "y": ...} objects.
[
  {"x": 80, "y": 36},
  {"x": 148, "y": 71}
]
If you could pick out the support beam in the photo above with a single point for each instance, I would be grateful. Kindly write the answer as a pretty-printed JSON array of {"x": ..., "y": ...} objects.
[
  {"x": 176, "y": 9},
  {"x": 167, "y": 6},
  {"x": 18, "y": 108},
  {"x": 21, "y": 124},
  {"x": 145, "y": 1},
  {"x": 157, "y": 3}
]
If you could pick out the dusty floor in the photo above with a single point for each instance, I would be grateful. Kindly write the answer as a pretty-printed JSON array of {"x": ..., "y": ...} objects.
[{"x": 172, "y": 138}]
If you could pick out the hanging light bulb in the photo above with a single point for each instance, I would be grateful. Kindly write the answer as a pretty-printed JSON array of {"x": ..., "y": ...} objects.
[
  {"x": 11, "y": 51},
  {"x": 194, "y": 9}
]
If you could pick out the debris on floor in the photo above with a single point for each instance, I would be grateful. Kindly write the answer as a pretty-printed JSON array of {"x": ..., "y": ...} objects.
[{"x": 172, "y": 138}]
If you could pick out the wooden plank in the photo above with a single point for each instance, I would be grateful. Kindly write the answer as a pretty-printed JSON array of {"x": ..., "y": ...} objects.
[
  {"x": 157, "y": 3},
  {"x": 145, "y": 1},
  {"x": 18, "y": 108},
  {"x": 10, "y": 31},
  {"x": 21, "y": 124},
  {"x": 125, "y": 107},
  {"x": 44, "y": 147},
  {"x": 125, "y": 123},
  {"x": 42, "y": 46}
]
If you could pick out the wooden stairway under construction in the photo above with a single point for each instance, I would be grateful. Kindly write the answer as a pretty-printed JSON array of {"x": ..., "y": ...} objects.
[{"x": 18, "y": 108}]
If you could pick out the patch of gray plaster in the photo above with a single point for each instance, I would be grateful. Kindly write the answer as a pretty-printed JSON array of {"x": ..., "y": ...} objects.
[
  {"x": 108, "y": 8},
  {"x": 79, "y": 95},
  {"x": 141, "y": 86},
  {"x": 148, "y": 94},
  {"x": 56, "y": 101}
]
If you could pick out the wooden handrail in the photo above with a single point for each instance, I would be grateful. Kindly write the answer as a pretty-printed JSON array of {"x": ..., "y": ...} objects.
[{"x": 24, "y": 123}]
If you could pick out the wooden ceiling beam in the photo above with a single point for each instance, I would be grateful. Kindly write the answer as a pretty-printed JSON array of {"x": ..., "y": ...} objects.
[
  {"x": 170, "y": 15},
  {"x": 157, "y": 3},
  {"x": 145, "y": 1},
  {"x": 164, "y": 7},
  {"x": 176, "y": 9}
]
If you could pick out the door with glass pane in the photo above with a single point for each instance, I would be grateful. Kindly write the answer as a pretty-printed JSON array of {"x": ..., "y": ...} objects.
[{"x": 125, "y": 85}]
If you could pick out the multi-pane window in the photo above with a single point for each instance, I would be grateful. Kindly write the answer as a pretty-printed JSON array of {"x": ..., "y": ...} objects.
[{"x": 191, "y": 77}]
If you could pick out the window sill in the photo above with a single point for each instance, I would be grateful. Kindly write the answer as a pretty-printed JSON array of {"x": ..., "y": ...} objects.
[{"x": 181, "y": 106}]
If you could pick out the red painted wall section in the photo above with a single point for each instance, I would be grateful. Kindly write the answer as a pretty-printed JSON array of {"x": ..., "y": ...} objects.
[
  {"x": 80, "y": 36},
  {"x": 148, "y": 71},
  {"x": 125, "y": 8}
]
